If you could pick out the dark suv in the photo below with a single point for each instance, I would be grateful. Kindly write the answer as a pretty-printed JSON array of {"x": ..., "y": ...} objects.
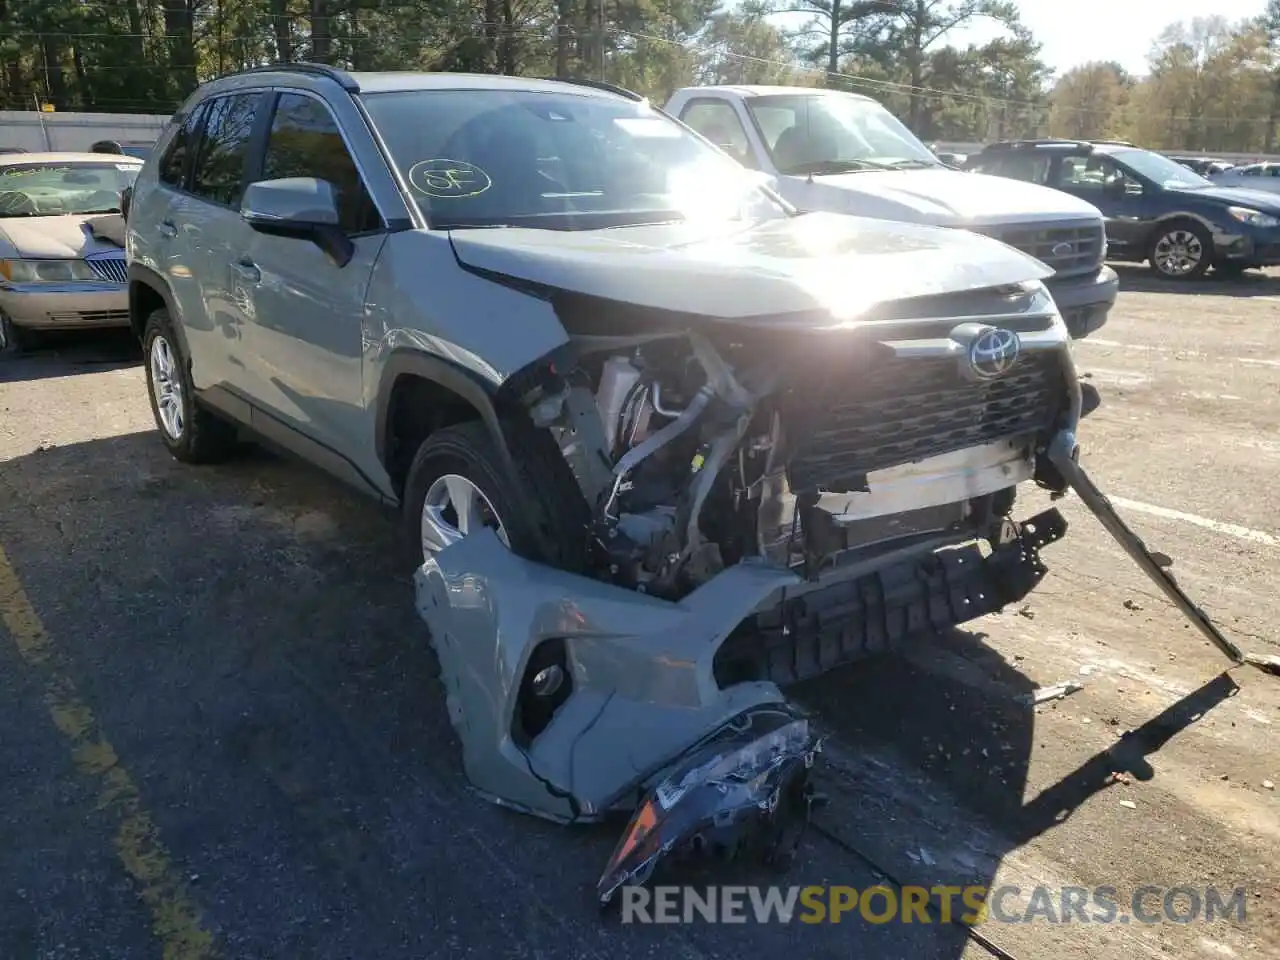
[{"x": 1156, "y": 209}]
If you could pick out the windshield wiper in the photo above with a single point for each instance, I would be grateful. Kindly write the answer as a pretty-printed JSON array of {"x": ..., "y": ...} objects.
[
  {"x": 818, "y": 168},
  {"x": 913, "y": 165}
]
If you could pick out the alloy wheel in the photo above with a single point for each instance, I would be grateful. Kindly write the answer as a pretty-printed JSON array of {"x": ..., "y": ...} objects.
[
  {"x": 1178, "y": 253},
  {"x": 166, "y": 387},
  {"x": 454, "y": 508}
]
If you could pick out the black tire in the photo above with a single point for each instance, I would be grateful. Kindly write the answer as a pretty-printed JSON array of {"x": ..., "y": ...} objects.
[
  {"x": 13, "y": 339},
  {"x": 1169, "y": 230},
  {"x": 203, "y": 437},
  {"x": 554, "y": 507}
]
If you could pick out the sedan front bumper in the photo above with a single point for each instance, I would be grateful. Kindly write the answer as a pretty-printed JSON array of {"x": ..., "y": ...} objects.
[{"x": 65, "y": 306}]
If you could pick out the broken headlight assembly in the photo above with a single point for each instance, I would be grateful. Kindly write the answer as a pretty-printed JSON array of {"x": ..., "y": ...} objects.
[{"x": 743, "y": 790}]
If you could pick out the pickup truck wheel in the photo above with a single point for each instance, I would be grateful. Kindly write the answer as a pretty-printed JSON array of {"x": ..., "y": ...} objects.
[
  {"x": 457, "y": 486},
  {"x": 192, "y": 434},
  {"x": 1181, "y": 251}
]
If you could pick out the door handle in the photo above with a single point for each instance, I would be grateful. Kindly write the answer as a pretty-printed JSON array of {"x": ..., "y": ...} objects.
[
  {"x": 248, "y": 270},
  {"x": 167, "y": 228}
]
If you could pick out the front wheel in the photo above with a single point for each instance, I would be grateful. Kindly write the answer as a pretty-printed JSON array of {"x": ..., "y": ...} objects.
[
  {"x": 13, "y": 339},
  {"x": 1181, "y": 251},
  {"x": 457, "y": 486}
]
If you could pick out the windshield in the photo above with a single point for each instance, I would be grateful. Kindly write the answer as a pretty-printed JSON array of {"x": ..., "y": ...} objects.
[
  {"x": 835, "y": 133},
  {"x": 63, "y": 188},
  {"x": 557, "y": 160},
  {"x": 1161, "y": 169}
]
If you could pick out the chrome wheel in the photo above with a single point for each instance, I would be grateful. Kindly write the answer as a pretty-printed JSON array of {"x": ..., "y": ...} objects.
[
  {"x": 166, "y": 388},
  {"x": 1178, "y": 253},
  {"x": 455, "y": 507}
]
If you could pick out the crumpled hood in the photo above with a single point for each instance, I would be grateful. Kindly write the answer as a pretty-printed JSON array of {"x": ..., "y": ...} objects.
[
  {"x": 62, "y": 237},
  {"x": 815, "y": 262},
  {"x": 943, "y": 197},
  {"x": 1261, "y": 200}
]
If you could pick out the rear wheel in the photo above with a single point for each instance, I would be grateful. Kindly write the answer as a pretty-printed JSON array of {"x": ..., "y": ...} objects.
[
  {"x": 192, "y": 433},
  {"x": 1181, "y": 251}
]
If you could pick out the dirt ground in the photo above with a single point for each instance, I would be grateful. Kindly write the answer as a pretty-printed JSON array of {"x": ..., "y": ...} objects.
[{"x": 222, "y": 734}]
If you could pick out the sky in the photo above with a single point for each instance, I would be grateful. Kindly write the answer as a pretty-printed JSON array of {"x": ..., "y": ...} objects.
[{"x": 1078, "y": 31}]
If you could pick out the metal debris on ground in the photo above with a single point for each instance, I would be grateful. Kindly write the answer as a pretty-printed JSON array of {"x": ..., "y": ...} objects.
[
  {"x": 1267, "y": 663},
  {"x": 1055, "y": 692}
]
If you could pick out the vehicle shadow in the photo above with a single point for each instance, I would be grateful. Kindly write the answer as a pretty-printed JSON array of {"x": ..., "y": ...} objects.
[
  {"x": 245, "y": 635},
  {"x": 1137, "y": 278},
  {"x": 66, "y": 353}
]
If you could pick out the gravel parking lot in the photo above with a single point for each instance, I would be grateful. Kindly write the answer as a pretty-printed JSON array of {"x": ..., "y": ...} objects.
[{"x": 223, "y": 736}]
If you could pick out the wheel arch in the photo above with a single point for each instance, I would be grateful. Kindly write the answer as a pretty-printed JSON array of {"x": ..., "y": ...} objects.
[
  {"x": 148, "y": 292},
  {"x": 1180, "y": 216},
  {"x": 419, "y": 393}
]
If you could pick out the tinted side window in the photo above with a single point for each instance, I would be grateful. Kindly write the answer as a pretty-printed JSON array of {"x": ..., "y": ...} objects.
[
  {"x": 718, "y": 122},
  {"x": 1089, "y": 173},
  {"x": 1030, "y": 166},
  {"x": 173, "y": 165},
  {"x": 224, "y": 148},
  {"x": 305, "y": 142}
]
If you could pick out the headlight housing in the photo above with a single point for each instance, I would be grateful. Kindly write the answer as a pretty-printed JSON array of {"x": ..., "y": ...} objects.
[
  {"x": 1255, "y": 218},
  {"x": 46, "y": 271}
]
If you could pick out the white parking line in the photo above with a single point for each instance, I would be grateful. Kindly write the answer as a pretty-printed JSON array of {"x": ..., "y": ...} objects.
[
  {"x": 1263, "y": 363},
  {"x": 1217, "y": 526}
]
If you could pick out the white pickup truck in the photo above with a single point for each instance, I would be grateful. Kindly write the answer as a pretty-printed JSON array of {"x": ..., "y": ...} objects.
[{"x": 844, "y": 153}]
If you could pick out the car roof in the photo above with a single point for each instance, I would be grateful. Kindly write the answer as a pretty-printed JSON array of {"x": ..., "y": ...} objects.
[
  {"x": 11, "y": 159},
  {"x": 367, "y": 82},
  {"x": 387, "y": 82},
  {"x": 766, "y": 90}
]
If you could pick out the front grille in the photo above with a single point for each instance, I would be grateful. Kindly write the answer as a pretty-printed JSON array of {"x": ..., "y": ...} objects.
[
  {"x": 1080, "y": 249},
  {"x": 902, "y": 410},
  {"x": 111, "y": 269}
]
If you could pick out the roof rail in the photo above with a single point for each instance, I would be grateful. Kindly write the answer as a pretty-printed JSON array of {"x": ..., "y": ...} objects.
[
  {"x": 1031, "y": 144},
  {"x": 598, "y": 85},
  {"x": 340, "y": 77}
]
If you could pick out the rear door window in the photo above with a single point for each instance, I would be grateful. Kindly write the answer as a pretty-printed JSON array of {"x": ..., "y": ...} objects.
[
  {"x": 219, "y": 173},
  {"x": 177, "y": 156},
  {"x": 1030, "y": 166}
]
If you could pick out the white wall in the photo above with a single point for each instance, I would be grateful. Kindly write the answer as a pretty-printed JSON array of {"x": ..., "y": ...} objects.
[{"x": 75, "y": 131}]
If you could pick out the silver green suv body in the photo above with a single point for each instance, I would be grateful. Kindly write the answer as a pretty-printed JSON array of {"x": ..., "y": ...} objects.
[{"x": 663, "y": 444}]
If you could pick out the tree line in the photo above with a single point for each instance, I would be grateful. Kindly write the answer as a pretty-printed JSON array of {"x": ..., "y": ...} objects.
[{"x": 1212, "y": 84}]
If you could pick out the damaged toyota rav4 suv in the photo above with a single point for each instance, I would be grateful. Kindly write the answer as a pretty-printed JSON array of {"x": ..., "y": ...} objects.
[{"x": 663, "y": 443}]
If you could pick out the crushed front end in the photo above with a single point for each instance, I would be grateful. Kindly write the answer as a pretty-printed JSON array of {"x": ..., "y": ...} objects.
[{"x": 767, "y": 500}]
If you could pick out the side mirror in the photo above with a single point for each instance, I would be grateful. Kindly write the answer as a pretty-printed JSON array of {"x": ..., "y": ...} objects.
[
  {"x": 126, "y": 198},
  {"x": 303, "y": 208}
]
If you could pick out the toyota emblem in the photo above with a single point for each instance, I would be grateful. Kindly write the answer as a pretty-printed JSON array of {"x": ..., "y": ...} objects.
[{"x": 993, "y": 352}]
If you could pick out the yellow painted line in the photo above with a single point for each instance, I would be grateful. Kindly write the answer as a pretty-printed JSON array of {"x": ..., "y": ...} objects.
[{"x": 175, "y": 919}]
